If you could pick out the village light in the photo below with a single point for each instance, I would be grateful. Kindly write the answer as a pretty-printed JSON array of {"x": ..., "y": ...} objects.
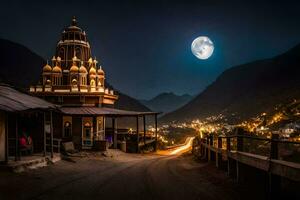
[{"x": 200, "y": 133}]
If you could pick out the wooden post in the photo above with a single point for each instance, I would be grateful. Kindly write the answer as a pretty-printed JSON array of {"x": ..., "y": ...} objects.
[
  {"x": 44, "y": 135},
  {"x": 219, "y": 155},
  {"x": 211, "y": 144},
  {"x": 202, "y": 147},
  {"x": 228, "y": 148},
  {"x": 95, "y": 133},
  {"x": 211, "y": 140},
  {"x": 240, "y": 147},
  {"x": 274, "y": 146},
  {"x": 6, "y": 137},
  {"x": 103, "y": 126},
  {"x": 144, "y": 123},
  {"x": 220, "y": 143},
  {"x": 115, "y": 133},
  {"x": 17, "y": 152},
  {"x": 274, "y": 180},
  {"x": 206, "y": 148},
  {"x": 137, "y": 134},
  {"x": 155, "y": 146},
  {"x": 240, "y": 140},
  {"x": 51, "y": 133},
  {"x": 228, "y": 145},
  {"x": 201, "y": 151}
]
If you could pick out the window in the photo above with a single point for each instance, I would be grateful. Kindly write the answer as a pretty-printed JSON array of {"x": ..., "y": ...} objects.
[
  {"x": 55, "y": 80},
  {"x": 74, "y": 82},
  {"x": 87, "y": 134},
  {"x": 48, "y": 82},
  {"x": 83, "y": 81},
  {"x": 78, "y": 51},
  {"x": 92, "y": 83},
  {"x": 67, "y": 129},
  {"x": 77, "y": 36}
]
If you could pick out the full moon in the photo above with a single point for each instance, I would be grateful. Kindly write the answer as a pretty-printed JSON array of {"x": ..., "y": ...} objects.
[{"x": 202, "y": 47}]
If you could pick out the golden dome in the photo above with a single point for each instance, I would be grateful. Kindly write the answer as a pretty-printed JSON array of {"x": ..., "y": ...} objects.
[
  {"x": 56, "y": 69},
  {"x": 82, "y": 69},
  {"x": 100, "y": 71},
  {"x": 74, "y": 69},
  {"x": 47, "y": 68},
  {"x": 92, "y": 71}
]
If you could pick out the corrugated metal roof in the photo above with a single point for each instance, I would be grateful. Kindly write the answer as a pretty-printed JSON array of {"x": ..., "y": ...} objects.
[
  {"x": 12, "y": 100},
  {"x": 101, "y": 111}
]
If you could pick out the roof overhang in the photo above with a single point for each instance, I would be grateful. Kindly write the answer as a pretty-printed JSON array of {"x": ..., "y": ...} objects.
[
  {"x": 12, "y": 100},
  {"x": 110, "y": 112}
]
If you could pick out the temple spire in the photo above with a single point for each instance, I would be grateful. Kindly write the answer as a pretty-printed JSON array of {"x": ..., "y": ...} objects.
[
  {"x": 95, "y": 62},
  {"x": 74, "y": 21}
]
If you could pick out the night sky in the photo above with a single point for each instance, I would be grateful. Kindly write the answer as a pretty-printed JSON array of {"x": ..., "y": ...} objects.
[{"x": 144, "y": 46}]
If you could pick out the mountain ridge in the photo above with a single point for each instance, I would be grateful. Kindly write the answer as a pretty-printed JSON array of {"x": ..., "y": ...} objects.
[
  {"x": 246, "y": 90},
  {"x": 166, "y": 102}
]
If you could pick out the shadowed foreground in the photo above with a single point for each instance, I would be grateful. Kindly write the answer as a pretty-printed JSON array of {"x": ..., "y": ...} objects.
[{"x": 123, "y": 176}]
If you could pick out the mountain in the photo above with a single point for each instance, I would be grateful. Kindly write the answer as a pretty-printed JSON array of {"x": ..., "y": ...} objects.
[
  {"x": 166, "y": 102},
  {"x": 21, "y": 67},
  {"x": 247, "y": 90},
  {"x": 126, "y": 102}
]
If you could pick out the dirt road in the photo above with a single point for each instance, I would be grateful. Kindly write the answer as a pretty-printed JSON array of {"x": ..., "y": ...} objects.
[{"x": 124, "y": 176}]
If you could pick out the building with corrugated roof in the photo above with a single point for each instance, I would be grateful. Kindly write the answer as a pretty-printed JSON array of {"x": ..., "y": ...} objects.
[{"x": 23, "y": 117}]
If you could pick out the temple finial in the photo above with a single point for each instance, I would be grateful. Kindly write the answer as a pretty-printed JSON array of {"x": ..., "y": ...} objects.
[
  {"x": 74, "y": 59},
  {"x": 74, "y": 21},
  {"x": 95, "y": 61}
]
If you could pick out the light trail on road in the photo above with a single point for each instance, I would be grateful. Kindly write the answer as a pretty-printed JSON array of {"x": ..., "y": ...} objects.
[{"x": 185, "y": 147}]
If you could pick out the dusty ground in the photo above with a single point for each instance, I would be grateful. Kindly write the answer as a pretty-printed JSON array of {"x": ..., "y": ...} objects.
[{"x": 123, "y": 176}]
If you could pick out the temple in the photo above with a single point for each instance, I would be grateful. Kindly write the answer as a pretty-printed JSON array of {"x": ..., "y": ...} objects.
[
  {"x": 73, "y": 78},
  {"x": 76, "y": 82}
]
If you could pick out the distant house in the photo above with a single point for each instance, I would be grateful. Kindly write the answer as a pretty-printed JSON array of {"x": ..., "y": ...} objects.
[{"x": 290, "y": 128}]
